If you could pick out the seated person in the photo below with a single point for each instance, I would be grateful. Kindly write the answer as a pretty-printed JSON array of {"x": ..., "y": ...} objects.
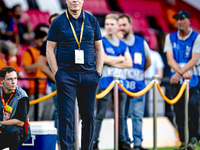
[
  {"x": 30, "y": 64},
  {"x": 14, "y": 106}
]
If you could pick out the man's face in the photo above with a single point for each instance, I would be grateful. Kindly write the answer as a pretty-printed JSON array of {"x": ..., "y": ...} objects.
[
  {"x": 10, "y": 81},
  {"x": 124, "y": 26},
  {"x": 39, "y": 42},
  {"x": 18, "y": 12},
  {"x": 182, "y": 23},
  {"x": 74, "y": 5},
  {"x": 111, "y": 26}
]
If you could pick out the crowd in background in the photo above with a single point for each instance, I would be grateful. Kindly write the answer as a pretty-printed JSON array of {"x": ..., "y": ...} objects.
[{"x": 16, "y": 30}]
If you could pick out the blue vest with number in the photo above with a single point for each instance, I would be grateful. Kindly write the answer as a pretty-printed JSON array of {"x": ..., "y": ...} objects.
[
  {"x": 182, "y": 52},
  {"x": 110, "y": 72},
  {"x": 135, "y": 75}
]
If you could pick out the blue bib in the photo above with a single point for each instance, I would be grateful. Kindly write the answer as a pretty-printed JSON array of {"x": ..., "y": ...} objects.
[
  {"x": 110, "y": 72},
  {"x": 135, "y": 75},
  {"x": 182, "y": 52}
]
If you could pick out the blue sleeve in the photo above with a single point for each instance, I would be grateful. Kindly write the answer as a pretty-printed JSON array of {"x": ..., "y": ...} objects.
[
  {"x": 11, "y": 25},
  {"x": 97, "y": 31},
  {"x": 53, "y": 31}
]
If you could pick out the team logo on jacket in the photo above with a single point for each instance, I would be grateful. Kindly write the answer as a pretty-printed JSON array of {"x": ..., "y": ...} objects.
[
  {"x": 187, "y": 49},
  {"x": 175, "y": 45},
  {"x": 110, "y": 50}
]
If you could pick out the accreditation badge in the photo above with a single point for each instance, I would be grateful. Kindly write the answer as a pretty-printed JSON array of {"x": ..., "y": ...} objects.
[
  {"x": 8, "y": 111},
  {"x": 137, "y": 58},
  {"x": 79, "y": 56}
]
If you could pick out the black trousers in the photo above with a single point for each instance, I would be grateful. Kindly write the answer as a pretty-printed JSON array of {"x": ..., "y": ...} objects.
[
  {"x": 12, "y": 137},
  {"x": 193, "y": 116},
  {"x": 69, "y": 86}
]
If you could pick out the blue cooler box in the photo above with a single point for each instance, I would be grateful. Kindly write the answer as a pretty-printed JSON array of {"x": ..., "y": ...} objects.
[{"x": 42, "y": 138}]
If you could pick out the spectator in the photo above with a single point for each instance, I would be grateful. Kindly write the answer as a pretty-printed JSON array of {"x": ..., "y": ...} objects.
[
  {"x": 156, "y": 68},
  {"x": 9, "y": 50},
  {"x": 13, "y": 117},
  {"x": 42, "y": 27},
  {"x": 30, "y": 64},
  {"x": 23, "y": 22},
  {"x": 182, "y": 51},
  {"x": 139, "y": 51},
  {"x": 42, "y": 65},
  {"x": 116, "y": 57},
  {"x": 3, "y": 61},
  {"x": 8, "y": 29},
  {"x": 12, "y": 58}
]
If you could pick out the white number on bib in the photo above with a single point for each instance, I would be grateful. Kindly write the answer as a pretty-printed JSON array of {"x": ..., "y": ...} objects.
[{"x": 130, "y": 85}]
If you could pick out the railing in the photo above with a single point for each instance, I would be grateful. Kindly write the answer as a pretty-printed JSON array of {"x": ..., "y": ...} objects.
[{"x": 115, "y": 83}]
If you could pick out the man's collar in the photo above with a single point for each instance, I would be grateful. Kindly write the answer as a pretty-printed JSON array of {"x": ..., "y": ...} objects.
[
  {"x": 71, "y": 17},
  {"x": 186, "y": 37},
  {"x": 13, "y": 92}
]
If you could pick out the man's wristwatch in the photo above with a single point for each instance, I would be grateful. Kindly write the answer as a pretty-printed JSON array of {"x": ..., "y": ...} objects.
[{"x": 100, "y": 74}]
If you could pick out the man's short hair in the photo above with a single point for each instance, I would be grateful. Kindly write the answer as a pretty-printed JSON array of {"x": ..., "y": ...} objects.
[
  {"x": 126, "y": 16},
  {"x": 52, "y": 16},
  {"x": 40, "y": 34},
  {"x": 15, "y": 6},
  {"x": 6, "y": 69},
  {"x": 112, "y": 16}
]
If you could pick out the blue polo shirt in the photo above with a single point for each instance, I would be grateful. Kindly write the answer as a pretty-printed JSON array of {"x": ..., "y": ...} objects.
[{"x": 61, "y": 33}]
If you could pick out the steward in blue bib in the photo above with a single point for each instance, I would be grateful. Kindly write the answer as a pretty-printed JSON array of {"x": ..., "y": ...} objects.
[
  {"x": 110, "y": 72},
  {"x": 182, "y": 52},
  {"x": 135, "y": 75}
]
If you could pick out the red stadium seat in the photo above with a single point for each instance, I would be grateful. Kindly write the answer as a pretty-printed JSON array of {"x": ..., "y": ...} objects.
[
  {"x": 140, "y": 9},
  {"x": 97, "y": 6},
  {"x": 37, "y": 17},
  {"x": 195, "y": 23},
  {"x": 162, "y": 24},
  {"x": 152, "y": 39},
  {"x": 144, "y": 7},
  {"x": 21, "y": 50},
  {"x": 139, "y": 22}
]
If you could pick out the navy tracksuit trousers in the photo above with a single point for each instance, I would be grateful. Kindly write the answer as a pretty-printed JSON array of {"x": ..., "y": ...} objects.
[{"x": 69, "y": 86}]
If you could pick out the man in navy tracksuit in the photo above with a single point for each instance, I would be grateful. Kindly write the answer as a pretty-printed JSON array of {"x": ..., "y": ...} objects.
[
  {"x": 182, "y": 50},
  {"x": 77, "y": 69}
]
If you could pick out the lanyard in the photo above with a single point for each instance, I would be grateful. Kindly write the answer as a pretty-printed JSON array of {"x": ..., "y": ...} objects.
[
  {"x": 3, "y": 101},
  {"x": 74, "y": 30}
]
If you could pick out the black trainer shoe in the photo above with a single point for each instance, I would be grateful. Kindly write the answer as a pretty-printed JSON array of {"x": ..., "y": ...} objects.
[
  {"x": 124, "y": 146},
  {"x": 139, "y": 148},
  {"x": 95, "y": 145},
  {"x": 182, "y": 147},
  {"x": 193, "y": 144}
]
